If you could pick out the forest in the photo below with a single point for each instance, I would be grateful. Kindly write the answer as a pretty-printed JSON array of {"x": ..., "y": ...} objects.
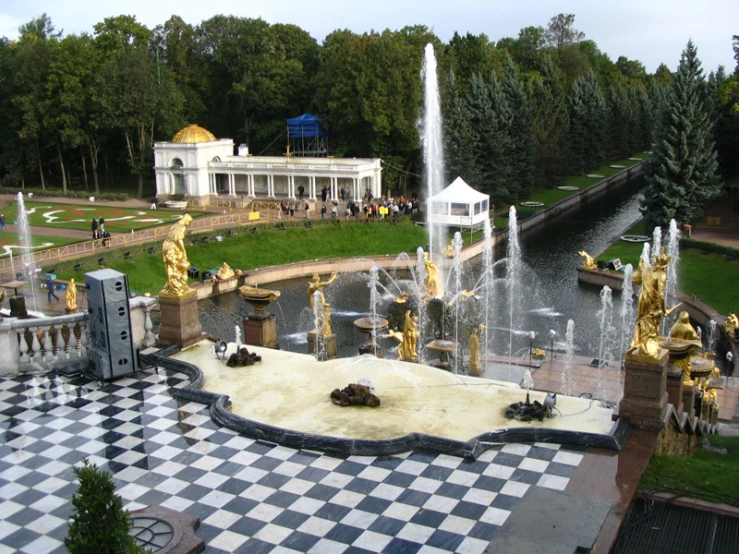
[{"x": 82, "y": 111}]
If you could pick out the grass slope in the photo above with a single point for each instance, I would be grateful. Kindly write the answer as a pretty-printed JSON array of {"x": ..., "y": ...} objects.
[{"x": 266, "y": 248}]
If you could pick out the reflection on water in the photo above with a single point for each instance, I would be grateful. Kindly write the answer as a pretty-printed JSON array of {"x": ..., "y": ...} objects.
[{"x": 552, "y": 294}]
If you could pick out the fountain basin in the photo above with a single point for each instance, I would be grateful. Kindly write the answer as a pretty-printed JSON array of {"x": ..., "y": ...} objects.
[{"x": 286, "y": 399}]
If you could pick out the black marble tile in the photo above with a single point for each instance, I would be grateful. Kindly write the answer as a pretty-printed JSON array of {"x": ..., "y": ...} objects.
[
  {"x": 247, "y": 526},
  {"x": 509, "y": 460},
  {"x": 234, "y": 486},
  {"x": 321, "y": 492},
  {"x": 387, "y": 526},
  {"x": 484, "y": 531},
  {"x": 266, "y": 463},
  {"x": 290, "y": 519},
  {"x": 469, "y": 510},
  {"x": 450, "y": 490},
  {"x": 445, "y": 540},
  {"x": 414, "y": 498},
  {"x": 350, "y": 468},
  {"x": 400, "y": 546},
  {"x": 362, "y": 486},
  {"x": 563, "y": 470},
  {"x": 525, "y": 476},
  {"x": 488, "y": 483},
  {"x": 282, "y": 499},
  {"x": 540, "y": 453},
  {"x": 373, "y": 505},
  {"x": 332, "y": 512},
  {"x": 255, "y": 546},
  {"x": 398, "y": 479},
  {"x": 387, "y": 462},
  {"x": 437, "y": 472},
  {"x": 428, "y": 518},
  {"x": 313, "y": 474},
  {"x": 240, "y": 505},
  {"x": 274, "y": 480},
  {"x": 345, "y": 534},
  {"x": 300, "y": 542},
  {"x": 24, "y": 517},
  {"x": 505, "y": 502}
]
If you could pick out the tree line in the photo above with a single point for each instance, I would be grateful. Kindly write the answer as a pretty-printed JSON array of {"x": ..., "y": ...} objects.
[{"x": 83, "y": 110}]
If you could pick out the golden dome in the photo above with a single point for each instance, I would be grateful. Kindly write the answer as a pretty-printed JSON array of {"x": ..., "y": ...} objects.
[{"x": 194, "y": 133}]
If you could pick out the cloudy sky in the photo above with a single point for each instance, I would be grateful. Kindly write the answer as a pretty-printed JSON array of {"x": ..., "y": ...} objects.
[{"x": 651, "y": 31}]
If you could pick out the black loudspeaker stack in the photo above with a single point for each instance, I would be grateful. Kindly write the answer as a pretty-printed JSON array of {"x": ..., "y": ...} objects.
[{"x": 111, "y": 351}]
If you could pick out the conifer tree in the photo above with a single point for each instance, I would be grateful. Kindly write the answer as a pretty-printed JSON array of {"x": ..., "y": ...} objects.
[
  {"x": 458, "y": 135},
  {"x": 596, "y": 123},
  {"x": 522, "y": 148},
  {"x": 578, "y": 133},
  {"x": 682, "y": 173},
  {"x": 550, "y": 125}
]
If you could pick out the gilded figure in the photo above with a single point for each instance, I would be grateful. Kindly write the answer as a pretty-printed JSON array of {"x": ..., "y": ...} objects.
[
  {"x": 175, "y": 259},
  {"x": 317, "y": 285},
  {"x": 682, "y": 329},
  {"x": 474, "y": 347},
  {"x": 398, "y": 336},
  {"x": 651, "y": 304},
  {"x": 70, "y": 297},
  {"x": 730, "y": 325},
  {"x": 410, "y": 337},
  {"x": 588, "y": 262},
  {"x": 225, "y": 272},
  {"x": 433, "y": 286}
]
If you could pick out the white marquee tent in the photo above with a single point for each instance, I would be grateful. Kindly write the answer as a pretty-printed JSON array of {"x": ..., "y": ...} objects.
[{"x": 459, "y": 205}]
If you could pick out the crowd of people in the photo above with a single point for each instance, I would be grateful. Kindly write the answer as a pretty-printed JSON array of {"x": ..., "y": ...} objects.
[{"x": 368, "y": 207}]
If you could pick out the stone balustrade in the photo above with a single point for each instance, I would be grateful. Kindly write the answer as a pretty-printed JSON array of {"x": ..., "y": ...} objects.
[{"x": 37, "y": 345}]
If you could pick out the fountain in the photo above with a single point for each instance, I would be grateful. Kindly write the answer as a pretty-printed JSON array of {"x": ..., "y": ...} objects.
[
  {"x": 27, "y": 260},
  {"x": 607, "y": 332},
  {"x": 513, "y": 278},
  {"x": 673, "y": 251},
  {"x": 568, "y": 383}
]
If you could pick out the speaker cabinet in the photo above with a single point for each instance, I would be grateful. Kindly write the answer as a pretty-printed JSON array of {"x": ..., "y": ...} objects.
[{"x": 111, "y": 351}]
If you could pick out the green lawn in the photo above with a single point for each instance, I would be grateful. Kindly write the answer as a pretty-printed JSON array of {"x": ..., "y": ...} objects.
[
  {"x": 268, "y": 247},
  {"x": 80, "y": 216},
  {"x": 9, "y": 241},
  {"x": 711, "y": 477}
]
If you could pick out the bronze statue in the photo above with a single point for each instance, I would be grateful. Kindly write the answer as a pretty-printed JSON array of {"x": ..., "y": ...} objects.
[
  {"x": 682, "y": 329},
  {"x": 225, "y": 272},
  {"x": 433, "y": 287},
  {"x": 70, "y": 298},
  {"x": 474, "y": 346},
  {"x": 317, "y": 285},
  {"x": 410, "y": 337},
  {"x": 651, "y": 305},
  {"x": 588, "y": 262},
  {"x": 730, "y": 325},
  {"x": 398, "y": 336},
  {"x": 175, "y": 258}
]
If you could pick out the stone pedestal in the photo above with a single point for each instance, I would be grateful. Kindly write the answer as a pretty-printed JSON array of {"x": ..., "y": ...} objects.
[
  {"x": 18, "y": 307},
  {"x": 260, "y": 329},
  {"x": 675, "y": 387},
  {"x": 326, "y": 351},
  {"x": 644, "y": 402},
  {"x": 375, "y": 349},
  {"x": 689, "y": 401},
  {"x": 180, "y": 323}
]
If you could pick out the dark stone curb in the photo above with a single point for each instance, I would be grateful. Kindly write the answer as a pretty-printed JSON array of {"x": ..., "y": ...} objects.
[{"x": 219, "y": 410}]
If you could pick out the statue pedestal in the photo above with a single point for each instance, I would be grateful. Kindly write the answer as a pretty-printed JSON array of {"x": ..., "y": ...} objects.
[
  {"x": 18, "y": 307},
  {"x": 644, "y": 402},
  {"x": 689, "y": 401},
  {"x": 375, "y": 349},
  {"x": 675, "y": 387},
  {"x": 180, "y": 323},
  {"x": 327, "y": 346},
  {"x": 260, "y": 329}
]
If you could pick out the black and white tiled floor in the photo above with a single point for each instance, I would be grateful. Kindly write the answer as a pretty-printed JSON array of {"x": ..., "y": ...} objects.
[{"x": 250, "y": 496}]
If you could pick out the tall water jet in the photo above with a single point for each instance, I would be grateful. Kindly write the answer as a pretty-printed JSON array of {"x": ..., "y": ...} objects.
[
  {"x": 605, "y": 350},
  {"x": 373, "y": 282},
  {"x": 457, "y": 245},
  {"x": 488, "y": 277},
  {"x": 568, "y": 383},
  {"x": 673, "y": 251},
  {"x": 513, "y": 279},
  {"x": 319, "y": 322},
  {"x": 627, "y": 310},
  {"x": 645, "y": 254},
  {"x": 28, "y": 264},
  {"x": 433, "y": 149},
  {"x": 656, "y": 243}
]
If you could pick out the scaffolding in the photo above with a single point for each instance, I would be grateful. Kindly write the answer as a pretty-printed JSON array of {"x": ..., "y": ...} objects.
[{"x": 306, "y": 137}]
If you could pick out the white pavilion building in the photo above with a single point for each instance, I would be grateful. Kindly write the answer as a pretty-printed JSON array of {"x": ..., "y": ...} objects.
[
  {"x": 198, "y": 166},
  {"x": 459, "y": 205}
]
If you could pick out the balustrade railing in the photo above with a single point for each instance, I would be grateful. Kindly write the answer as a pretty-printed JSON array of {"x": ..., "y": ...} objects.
[{"x": 51, "y": 342}]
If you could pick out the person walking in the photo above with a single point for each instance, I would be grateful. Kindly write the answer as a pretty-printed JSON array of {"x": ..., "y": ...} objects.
[
  {"x": 307, "y": 210},
  {"x": 95, "y": 235},
  {"x": 50, "y": 290},
  {"x": 301, "y": 191},
  {"x": 2, "y": 222}
]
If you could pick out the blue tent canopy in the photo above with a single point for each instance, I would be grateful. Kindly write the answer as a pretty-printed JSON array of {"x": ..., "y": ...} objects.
[{"x": 305, "y": 125}]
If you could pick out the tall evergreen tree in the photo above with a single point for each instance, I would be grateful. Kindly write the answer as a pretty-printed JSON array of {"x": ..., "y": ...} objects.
[
  {"x": 550, "y": 125},
  {"x": 595, "y": 122},
  {"x": 523, "y": 149},
  {"x": 459, "y": 136},
  {"x": 578, "y": 132},
  {"x": 682, "y": 173}
]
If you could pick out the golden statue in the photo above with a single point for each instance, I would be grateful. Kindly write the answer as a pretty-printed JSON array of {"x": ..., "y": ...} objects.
[
  {"x": 398, "y": 336},
  {"x": 450, "y": 249},
  {"x": 651, "y": 305},
  {"x": 588, "y": 262},
  {"x": 682, "y": 329},
  {"x": 225, "y": 272},
  {"x": 70, "y": 298},
  {"x": 175, "y": 259},
  {"x": 474, "y": 347},
  {"x": 711, "y": 388},
  {"x": 730, "y": 325},
  {"x": 410, "y": 337},
  {"x": 433, "y": 287},
  {"x": 326, "y": 323},
  {"x": 317, "y": 285}
]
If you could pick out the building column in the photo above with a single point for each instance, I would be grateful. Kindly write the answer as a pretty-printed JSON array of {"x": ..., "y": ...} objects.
[
  {"x": 312, "y": 187},
  {"x": 250, "y": 184},
  {"x": 355, "y": 188},
  {"x": 334, "y": 187},
  {"x": 231, "y": 185},
  {"x": 291, "y": 186},
  {"x": 271, "y": 185}
]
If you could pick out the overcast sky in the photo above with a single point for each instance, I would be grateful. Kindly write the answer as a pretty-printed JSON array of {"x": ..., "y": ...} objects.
[{"x": 651, "y": 31}]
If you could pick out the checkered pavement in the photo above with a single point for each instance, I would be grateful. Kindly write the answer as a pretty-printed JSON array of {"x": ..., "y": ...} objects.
[{"x": 250, "y": 496}]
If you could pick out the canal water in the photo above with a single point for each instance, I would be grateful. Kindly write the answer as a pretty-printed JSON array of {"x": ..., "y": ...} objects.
[{"x": 551, "y": 292}]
